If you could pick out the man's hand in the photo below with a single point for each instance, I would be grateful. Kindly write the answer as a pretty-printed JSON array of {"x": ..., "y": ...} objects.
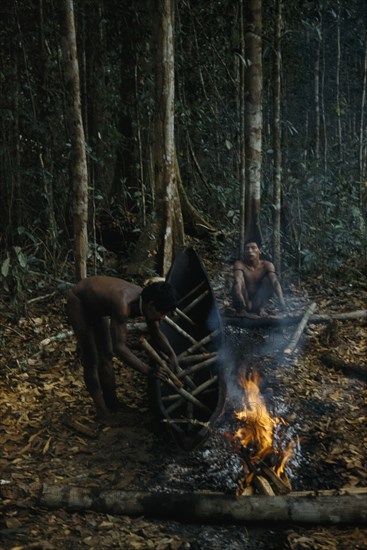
[
  {"x": 173, "y": 364},
  {"x": 159, "y": 372}
]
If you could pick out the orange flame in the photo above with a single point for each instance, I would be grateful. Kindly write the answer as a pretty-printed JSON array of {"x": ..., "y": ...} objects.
[
  {"x": 259, "y": 425},
  {"x": 257, "y": 432}
]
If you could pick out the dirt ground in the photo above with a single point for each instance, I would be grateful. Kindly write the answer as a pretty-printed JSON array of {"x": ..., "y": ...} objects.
[{"x": 42, "y": 392}]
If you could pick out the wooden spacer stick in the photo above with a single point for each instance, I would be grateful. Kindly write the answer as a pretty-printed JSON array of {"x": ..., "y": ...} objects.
[
  {"x": 182, "y": 374},
  {"x": 199, "y": 344},
  {"x": 195, "y": 392},
  {"x": 193, "y": 358},
  {"x": 192, "y": 291},
  {"x": 184, "y": 316},
  {"x": 172, "y": 379},
  {"x": 158, "y": 359},
  {"x": 180, "y": 330},
  {"x": 196, "y": 301},
  {"x": 198, "y": 366},
  {"x": 188, "y": 396}
]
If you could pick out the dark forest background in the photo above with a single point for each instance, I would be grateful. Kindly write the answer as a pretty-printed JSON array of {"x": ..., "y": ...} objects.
[{"x": 323, "y": 121}]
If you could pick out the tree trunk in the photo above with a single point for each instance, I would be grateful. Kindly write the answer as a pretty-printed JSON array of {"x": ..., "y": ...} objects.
[
  {"x": 322, "y": 93},
  {"x": 79, "y": 163},
  {"x": 337, "y": 85},
  {"x": 362, "y": 128},
  {"x": 277, "y": 175},
  {"x": 317, "y": 98},
  {"x": 195, "y": 224},
  {"x": 306, "y": 510},
  {"x": 167, "y": 231},
  {"x": 168, "y": 207},
  {"x": 253, "y": 114},
  {"x": 242, "y": 150}
]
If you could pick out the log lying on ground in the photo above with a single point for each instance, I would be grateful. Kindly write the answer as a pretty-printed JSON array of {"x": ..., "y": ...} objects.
[
  {"x": 246, "y": 322},
  {"x": 332, "y": 360},
  {"x": 211, "y": 507},
  {"x": 291, "y": 346}
]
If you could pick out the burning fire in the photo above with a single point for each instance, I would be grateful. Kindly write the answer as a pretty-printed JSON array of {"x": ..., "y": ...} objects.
[{"x": 255, "y": 440}]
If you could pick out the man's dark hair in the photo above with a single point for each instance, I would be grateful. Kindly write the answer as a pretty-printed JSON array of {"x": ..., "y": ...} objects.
[
  {"x": 163, "y": 296},
  {"x": 256, "y": 241}
]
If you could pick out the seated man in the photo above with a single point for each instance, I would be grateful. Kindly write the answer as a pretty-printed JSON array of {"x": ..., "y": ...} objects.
[
  {"x": 98, "y": 309},
  {"x": 254, "y": 282}
]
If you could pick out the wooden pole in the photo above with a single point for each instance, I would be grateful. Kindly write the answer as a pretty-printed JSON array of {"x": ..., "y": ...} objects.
[
  {"x": 198, "y": 366},
  {"x": 198, "y": 345},
  {"x": 192, "y": 291},
  {"x": 158, "y": 359},
  {"x": 172, "y": 379},
  {"x": 185, "y": 317},
  {"x": 303, "y": 510},
  {"x": 297, "y": 335},
  {"x": 197, "y": 357},
  {"x": 195, "y": 302},
  {"x": 180, "y": 330},
  {"x": 205, "y": 385}
]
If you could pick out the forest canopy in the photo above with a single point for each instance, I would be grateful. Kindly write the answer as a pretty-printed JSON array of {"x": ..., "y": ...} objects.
[{"x": 320, "y": 112}]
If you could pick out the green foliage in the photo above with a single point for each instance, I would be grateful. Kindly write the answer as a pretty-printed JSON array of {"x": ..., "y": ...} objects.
[{"x": 323, "y": 223}]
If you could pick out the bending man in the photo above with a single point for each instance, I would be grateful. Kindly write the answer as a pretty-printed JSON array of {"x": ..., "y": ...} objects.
[{"x": 98, "y": 309}]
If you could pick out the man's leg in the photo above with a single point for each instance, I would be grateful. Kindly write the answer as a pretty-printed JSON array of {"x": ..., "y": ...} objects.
[
  {"x": 236, "y": 301},
  {"x": 105, "y": 367},
  {"x": 84, "y": 333},
  {"x": 262, "y": 296}
]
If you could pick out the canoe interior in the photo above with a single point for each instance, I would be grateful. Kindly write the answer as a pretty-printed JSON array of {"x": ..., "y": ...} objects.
[{"x": 196, "y": 300}]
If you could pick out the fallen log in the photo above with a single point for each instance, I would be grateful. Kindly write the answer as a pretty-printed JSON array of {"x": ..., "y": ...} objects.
[
  {"x": 332, "y": 360},
  {"x": 272, "y": 321},
  {"x": 291, "y": 346},
  {"x": 347, "y": 505},
  {"x": 210, "y": 507}
]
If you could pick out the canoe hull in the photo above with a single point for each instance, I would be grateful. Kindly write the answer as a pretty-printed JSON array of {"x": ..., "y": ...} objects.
[{"x": 199, "y": 318}]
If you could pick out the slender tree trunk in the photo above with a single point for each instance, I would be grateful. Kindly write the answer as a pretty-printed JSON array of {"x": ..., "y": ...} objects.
[
  {"x": 253, "y": 109},
  {"x": 166, "y": 233},
  {"x": 277, "y": 177},
  {"x": 338, "y": 104},
  {"x": 242, "y": 152},
  {"x": 168, "y": 203},
  {"x": 362, "y": 128},
  {"x": 79, "y": 163},
  {"x": 322, "y": 94},
  {"x": 317, "y": 101}
]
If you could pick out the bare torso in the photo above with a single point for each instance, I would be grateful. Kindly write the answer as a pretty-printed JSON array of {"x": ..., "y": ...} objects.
[
  {"x": 253, "y": 274},
  {"x": 107, "y": 297}
]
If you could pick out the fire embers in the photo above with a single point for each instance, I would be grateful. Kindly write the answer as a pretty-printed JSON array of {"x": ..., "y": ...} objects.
[{"x": 262, "y": 443}]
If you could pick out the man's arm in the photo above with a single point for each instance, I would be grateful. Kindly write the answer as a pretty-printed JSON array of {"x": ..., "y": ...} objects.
[
  {"x": 161, "y": 342},
  {"x": 122, "y": 351},
  {"x": 276, "y": 284}
]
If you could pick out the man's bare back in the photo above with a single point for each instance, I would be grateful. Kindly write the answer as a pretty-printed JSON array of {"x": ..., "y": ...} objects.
[
  {"x": 98, "y": 309},
  {"x": 108, "y": 297}
]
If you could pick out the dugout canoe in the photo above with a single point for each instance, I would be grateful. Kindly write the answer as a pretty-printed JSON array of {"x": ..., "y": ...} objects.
[{"x": 197, "y": 319}]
